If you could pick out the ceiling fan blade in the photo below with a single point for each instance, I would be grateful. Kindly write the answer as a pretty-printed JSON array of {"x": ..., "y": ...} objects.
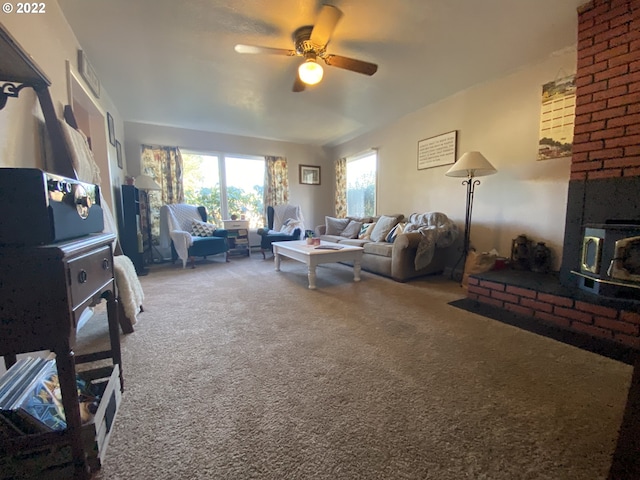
[
  {"x": 268, "y": 50},
  {"x": 352, "y": 64},
  {"x": 298, "y": 85},
  {"x": 326, "y": 23}
]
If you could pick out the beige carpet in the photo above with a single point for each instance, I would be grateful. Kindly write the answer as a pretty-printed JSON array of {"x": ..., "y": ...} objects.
[{"x": 236, "y": 371}]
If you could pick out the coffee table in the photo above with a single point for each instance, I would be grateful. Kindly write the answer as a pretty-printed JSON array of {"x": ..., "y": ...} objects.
[{"x": 314, "y": 256}]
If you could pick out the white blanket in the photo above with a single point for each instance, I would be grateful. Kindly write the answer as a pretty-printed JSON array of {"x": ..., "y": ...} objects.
[
  {"x": 175, "y": 225},
  {"x": 281, "y": 213},
  {"x": 129, "y": 288},
  {"x": 437, "y": 231}
]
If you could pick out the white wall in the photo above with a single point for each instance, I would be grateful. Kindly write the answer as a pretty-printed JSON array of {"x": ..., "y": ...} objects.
[
  {"x": 50, "y": 41},
  {"x": 315, "y": 200},
  {"x": 501, "y": 120}
]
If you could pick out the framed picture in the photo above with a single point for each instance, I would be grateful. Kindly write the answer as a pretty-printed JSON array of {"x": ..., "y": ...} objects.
[
  {"x": 437, "y": 151},
  {"x": 309, "y": 175},
  {"x": 88, "y": 73},
  {"x": 112, "y": 130},
  {"x": 119, "y": 153}
]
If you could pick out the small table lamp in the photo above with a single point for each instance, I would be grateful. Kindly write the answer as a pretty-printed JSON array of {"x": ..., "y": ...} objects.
[{"x": 470, "y": 165}]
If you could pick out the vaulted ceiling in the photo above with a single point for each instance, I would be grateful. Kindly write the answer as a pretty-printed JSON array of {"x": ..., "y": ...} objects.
[{"x": 173, "y": 63}]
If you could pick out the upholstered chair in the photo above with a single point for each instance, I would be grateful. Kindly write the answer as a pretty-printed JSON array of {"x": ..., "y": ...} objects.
[
  {"x": 284, "y": 223},
  {"x": 185, "y": 228}
]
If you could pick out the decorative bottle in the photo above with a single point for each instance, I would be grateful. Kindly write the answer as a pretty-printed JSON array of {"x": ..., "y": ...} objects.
[
  {"x": 541, "y": 258},
  {"x": 520, "y": 253}
]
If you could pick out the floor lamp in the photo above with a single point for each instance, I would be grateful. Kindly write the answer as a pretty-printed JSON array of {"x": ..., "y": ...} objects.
[
  {"x": 146, "y": 184},
  {"x": 469, "y": 165}
]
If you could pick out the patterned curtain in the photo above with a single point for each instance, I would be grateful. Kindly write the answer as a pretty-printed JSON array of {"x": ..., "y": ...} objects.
[
  {"x": 276, "y": 182},
  {"x": 164, "y": 165},
  {"x": 341, "y": 188}
]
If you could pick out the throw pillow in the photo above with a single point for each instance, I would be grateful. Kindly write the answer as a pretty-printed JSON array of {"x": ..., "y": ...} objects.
[
  {"x": 289, "y": 226},
  {"x": 202, "y": 229},
  {"x": 335, "y": 226},
  {"x": 391, "y": 236},
  {"x": 383, "y": 227},
  {"x": 352, "y": 229},
  {"x": 365, "y": 230}
]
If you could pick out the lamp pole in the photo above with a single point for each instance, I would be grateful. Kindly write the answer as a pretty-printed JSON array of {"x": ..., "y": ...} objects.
[
  {"x": 471, "y": 186},
  {"x": 470, "y": 165}
]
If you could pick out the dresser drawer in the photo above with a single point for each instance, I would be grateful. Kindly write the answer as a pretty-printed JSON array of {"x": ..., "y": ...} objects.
[{"x": 88, "y": 273}]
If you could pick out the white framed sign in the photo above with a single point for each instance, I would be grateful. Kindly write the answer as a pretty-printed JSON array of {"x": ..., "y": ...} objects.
[
  {"x": 437, "y": 151},
  {"x": 88, "y": 73}
]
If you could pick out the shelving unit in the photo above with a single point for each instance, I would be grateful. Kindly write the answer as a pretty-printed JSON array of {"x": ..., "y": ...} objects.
[
  {"x": 131, "y": 236},
  {"x": 238, "y": 237}
]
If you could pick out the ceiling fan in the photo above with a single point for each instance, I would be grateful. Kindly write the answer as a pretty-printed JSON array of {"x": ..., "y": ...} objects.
[{"x": 311, "y": 42}]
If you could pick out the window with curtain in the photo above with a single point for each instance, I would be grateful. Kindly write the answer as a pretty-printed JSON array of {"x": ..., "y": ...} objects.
[
  {"x": 226, "y": 184},
  {"x": 361, "y": 173}
]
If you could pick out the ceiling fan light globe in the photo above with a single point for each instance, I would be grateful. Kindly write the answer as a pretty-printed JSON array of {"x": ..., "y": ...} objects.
[{"x": 310, "y": 72}]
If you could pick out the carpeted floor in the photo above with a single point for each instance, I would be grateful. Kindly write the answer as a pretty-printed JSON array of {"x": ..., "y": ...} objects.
[{"x": 236, "y": 371}]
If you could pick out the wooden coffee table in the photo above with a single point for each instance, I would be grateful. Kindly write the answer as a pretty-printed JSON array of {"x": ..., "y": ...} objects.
[{"x": 314, "y": 256}]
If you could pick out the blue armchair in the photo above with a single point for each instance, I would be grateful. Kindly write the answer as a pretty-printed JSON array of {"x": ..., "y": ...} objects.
[
  {"x": 178, "y": 222},
  {"x": 277, "y": 217}
]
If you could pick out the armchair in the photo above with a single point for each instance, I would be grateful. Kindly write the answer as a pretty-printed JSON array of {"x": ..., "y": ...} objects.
[
  {"x": 284, "y": 223},
  {"x": 178, "y": 222}
]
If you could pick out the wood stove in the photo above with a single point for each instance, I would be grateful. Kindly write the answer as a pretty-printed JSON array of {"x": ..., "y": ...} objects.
[{"x": 610, "y": 260}]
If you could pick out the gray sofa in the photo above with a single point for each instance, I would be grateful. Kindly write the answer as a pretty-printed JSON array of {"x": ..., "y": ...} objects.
[{"x": 394, "y": 255}]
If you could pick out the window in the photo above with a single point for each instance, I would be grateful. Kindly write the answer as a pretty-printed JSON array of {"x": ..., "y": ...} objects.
[
  {"x": 226, "y": 185},
  {"x": 361, "y": 185}
]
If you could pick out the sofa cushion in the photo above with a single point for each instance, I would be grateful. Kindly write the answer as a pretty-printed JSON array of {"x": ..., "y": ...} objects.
[
  {"x": 395, "y": 231},
  {"x": 355, "y": 242},
  {"x": 352, "y": 230},
  {"x": 332, "y": 238},
  {"x": 365, "y": 230},
  {"x": 382, "y": 249},
  {"x": 382, "y": 228},
  {"x": 202, "y": 229},
  {"x": 335, "y": 226}
]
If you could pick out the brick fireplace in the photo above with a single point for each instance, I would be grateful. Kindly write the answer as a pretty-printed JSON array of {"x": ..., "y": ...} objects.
[{"x": 605, "y": 180}]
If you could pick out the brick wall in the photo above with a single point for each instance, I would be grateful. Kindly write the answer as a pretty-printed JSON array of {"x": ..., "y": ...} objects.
[
  {"x": 607, "y": 125},
  {"x": 608, "y": 323}
]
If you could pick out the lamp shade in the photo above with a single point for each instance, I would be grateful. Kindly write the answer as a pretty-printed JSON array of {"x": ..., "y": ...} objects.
[
  {"x": 471, "y": 164},
  {"x": 310, "y": 72},
  {"x": 145, "y": 182}
]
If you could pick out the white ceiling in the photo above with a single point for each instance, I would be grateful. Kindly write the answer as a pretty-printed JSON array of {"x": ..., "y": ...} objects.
[{"x": 171, "y": 62}]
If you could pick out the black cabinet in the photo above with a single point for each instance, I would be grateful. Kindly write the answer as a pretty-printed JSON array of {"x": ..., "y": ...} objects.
[{"x": 131, "y": 237}]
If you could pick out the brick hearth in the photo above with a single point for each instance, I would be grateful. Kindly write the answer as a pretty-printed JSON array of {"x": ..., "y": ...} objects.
[{"x": 543, "y": 298}]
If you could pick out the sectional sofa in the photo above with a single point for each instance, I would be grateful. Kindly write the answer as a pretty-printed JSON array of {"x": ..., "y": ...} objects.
[{"x": 395, "y": 246}]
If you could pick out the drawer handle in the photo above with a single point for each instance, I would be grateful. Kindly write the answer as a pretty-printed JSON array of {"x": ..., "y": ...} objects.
[
  {"x": 105, "y": 264},
  {"x": 82, "y": 276}
]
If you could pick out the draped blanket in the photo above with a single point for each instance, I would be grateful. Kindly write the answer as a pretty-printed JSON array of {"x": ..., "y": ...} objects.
[
  {"x": 129, "y": 288},
  {"x": 175, "y": 224},
  {"x": 281, "y": 213},
  {"x": 437, "y": 232}
]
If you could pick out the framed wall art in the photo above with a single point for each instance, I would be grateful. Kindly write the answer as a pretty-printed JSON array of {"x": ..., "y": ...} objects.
[
  {"x": 309, "y": 175},
  {"x": 119, "y": 153},
  {"x": 437, "y": 151},
  {"x": 112, "y": 130},
  {"x": 88, "y": 73}
]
